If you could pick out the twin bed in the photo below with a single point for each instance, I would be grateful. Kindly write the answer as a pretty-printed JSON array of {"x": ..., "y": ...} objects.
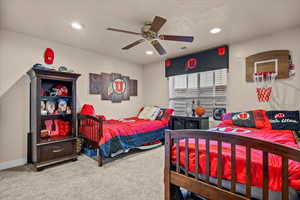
[
  {"x": 113, "y": 136},
  {"x": 232, "y": 162}
]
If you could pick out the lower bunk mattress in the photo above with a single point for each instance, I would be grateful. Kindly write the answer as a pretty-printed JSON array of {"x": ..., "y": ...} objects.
[
  {"x": 275, "y": 169},
  {"x": 256, "y": 192}
]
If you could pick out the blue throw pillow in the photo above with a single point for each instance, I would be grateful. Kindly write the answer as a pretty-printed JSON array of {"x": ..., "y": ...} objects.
[
  {"x": 161, "y": 113},
  {"x": 284, "y": 120}
]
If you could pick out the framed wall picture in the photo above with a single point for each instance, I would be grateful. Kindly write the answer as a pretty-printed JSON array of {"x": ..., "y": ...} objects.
[{"x": 114, "y": 86}]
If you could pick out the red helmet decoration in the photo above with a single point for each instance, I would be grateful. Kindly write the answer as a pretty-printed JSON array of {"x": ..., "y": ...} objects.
[
  {"x": 49, "y": 56},
  {"x": 62, "y": 91}
]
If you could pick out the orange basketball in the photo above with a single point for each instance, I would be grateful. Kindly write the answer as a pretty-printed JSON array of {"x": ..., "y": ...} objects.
[{"x": 199, "y": 111}]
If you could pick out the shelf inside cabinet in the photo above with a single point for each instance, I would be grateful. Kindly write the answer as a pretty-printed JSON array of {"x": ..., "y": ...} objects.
[
  {"x": 58, "y": 116},
  {"x": 55, "y": 139},
  {"x": 54, "y": 98}
]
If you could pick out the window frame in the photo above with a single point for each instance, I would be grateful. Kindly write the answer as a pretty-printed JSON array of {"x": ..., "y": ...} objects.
[{"x": 215, "y": 92}]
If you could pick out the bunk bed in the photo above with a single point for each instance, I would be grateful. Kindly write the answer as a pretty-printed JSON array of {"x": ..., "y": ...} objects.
[{"x": 233, "y": 163}]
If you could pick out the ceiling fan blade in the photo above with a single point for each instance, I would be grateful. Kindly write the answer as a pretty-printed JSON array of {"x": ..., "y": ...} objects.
[
  {"x": 123, "y": 31},
  {"x": 158, "y": 47},
  {"x": 177, "y": 38},
  {"x": 133, "y": 44},
  {"x": 157, "y": 23}
]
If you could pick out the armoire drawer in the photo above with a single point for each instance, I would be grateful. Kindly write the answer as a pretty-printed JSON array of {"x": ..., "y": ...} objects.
[{"x": 53, "y": 151}]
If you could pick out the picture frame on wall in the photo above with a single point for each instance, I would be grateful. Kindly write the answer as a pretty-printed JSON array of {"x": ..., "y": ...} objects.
[{"x": 113, "y": 86}]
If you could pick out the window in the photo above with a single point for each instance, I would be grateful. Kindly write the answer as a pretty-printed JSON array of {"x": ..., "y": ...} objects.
[
  {"x": 180, "y": 82},
  {"x": 206, "y": 89}
]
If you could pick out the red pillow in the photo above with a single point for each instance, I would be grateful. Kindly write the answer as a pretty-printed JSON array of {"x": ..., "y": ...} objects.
[
  {"x": 267, "y": 121},
  {"x": 102, "y": 117},
  {"x": 88, "y": 110},
  {"x": 167, "y": 115}
]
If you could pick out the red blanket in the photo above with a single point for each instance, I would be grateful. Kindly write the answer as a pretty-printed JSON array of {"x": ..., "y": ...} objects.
[
  {"x": 129, "y": 126},
  {"x": 280, "y": 136},
  {"x": 126, "y": 127}
]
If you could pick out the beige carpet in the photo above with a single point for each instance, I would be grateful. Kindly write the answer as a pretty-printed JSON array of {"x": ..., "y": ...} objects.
[{"x": 137, "y": 176}]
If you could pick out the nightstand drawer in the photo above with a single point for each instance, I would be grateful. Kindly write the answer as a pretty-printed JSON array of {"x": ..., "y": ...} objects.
[
  {"x": 191, "y": 124},
  {"x": 178, "y": 124},
  {"x": 56, "y": 150}
]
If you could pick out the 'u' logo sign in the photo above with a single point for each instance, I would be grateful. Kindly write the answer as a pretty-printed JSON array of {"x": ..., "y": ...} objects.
[
  {"x": 119, "y": 86},
  {"x": 191, "y": 64}
]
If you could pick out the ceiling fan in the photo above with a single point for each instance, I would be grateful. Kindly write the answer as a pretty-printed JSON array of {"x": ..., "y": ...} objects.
[{"x": 150, "y": 32}]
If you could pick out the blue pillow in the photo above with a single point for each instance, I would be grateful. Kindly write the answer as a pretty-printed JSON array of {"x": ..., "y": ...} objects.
[
  {"x": 284, "y": 120},
  {"x": 161, "y": 113}
]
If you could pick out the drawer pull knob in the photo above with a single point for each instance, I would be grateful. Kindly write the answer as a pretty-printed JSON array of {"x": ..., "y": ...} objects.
[{"x": 58, "y": 150}]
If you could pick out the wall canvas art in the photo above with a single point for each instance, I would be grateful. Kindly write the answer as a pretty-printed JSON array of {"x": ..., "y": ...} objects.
[{"x": 114, "y": 86}]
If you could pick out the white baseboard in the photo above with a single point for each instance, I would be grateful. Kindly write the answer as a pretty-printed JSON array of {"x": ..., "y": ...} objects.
[{"x": 13, "y": 163}]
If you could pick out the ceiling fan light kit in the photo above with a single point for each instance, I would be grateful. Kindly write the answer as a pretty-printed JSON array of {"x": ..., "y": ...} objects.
[
  {"x": 215, "y": 30},
  {"x": 76, "y": 25},
  {"x": 149, "y": 52},
  {"x": 149, "y": 32}
]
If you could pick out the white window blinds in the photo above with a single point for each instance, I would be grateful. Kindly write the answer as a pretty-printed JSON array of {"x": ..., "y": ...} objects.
[
  {"x": 221, "y": 77},
  {"x": 180, "y": 82},
  {"x": 192, "y": 80},
  {"x": 206, "y": 89},
  {"x": 206, "y": 79}
]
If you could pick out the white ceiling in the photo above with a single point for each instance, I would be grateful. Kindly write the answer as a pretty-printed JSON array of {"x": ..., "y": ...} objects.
[{"x": 239, "y": 19}]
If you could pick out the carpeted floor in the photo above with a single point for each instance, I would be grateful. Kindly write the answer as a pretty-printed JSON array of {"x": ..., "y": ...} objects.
[{"x": 137, "y": 176}]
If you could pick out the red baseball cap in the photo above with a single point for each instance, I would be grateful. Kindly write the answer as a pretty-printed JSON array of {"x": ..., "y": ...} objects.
[{"x": 49, "y": 56}]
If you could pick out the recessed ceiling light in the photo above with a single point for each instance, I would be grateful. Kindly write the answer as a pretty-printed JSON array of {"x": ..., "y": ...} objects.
[
  {"x": 149, "y": 52},
  {"x": 76, "y": 26},
  {"x": 215, "y": 30}
]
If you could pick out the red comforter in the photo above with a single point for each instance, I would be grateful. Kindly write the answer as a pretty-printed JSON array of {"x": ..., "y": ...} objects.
[
  {"x": 126, "y": 127},
  {"x": 280, "y": 136},
  {"x": 129, "y": 126}
]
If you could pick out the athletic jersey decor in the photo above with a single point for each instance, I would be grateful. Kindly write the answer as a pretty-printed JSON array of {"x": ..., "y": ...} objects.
[{"x": 114, "y": 87}]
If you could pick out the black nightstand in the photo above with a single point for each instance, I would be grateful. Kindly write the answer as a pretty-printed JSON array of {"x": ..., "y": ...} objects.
[{"x": 184, "y": 122}]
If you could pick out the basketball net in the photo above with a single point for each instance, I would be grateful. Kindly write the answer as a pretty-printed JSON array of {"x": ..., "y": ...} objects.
[{"x": 263, "y": 82}]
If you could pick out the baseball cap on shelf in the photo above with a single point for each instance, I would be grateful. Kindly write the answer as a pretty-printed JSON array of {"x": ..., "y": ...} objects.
[{"x": 49, "y": 56}]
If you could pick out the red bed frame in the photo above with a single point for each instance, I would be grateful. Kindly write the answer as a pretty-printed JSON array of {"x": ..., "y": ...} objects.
[{"x": 94, "y": 135}]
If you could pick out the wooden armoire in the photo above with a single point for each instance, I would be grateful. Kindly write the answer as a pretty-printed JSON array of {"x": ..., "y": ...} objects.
[{"x": 52, "y": 117}]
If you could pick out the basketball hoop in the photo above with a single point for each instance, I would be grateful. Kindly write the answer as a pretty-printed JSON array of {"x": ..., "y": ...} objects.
[{"x": 264, "y": 81}]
